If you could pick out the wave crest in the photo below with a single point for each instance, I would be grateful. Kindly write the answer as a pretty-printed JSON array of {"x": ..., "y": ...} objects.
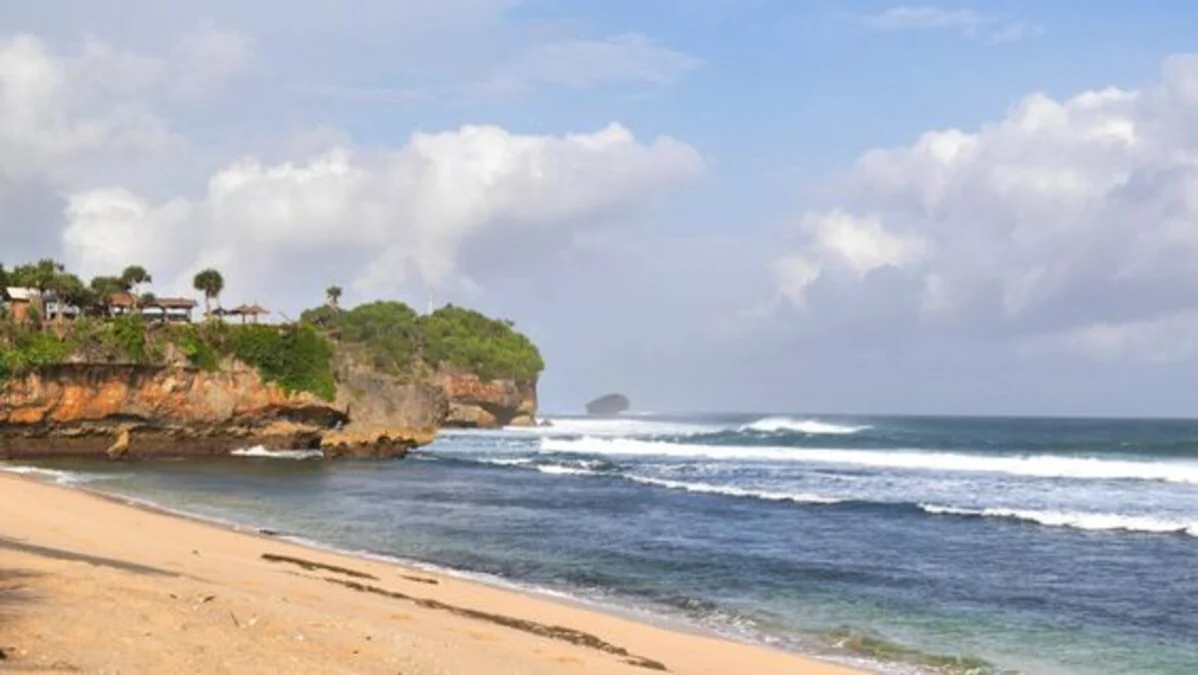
[
  {"x": 1074, "y": 520},
  {"x": 775, "y": 425},
  {"x": 733, "y": 491},
  {"x": 261, "y": 452},
  {"x": 1035, "y": 466}
]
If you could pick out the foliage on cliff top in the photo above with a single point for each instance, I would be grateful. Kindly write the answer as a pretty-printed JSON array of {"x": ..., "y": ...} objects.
[
  {"x": 402, "y": 342},
  {"x": 297, "y": 358}
]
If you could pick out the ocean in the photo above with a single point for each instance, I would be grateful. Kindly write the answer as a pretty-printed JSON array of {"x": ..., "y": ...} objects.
[{"x": 904, "y": 544}]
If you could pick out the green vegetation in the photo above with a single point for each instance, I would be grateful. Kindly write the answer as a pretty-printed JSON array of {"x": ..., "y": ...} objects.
[
  {"x": 403, "y": 342},
  {"x": 297, "y": 357},
  {"x": 31, "y": 349},
  {"x": 210, "y": 283},
  {"x": 860, "y": 643}
]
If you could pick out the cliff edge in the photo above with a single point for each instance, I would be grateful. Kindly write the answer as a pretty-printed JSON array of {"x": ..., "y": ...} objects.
[{"x": 374, "y": 381}]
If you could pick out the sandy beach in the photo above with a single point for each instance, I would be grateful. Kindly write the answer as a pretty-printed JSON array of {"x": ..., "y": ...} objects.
[{"x": 92, "y": 585}]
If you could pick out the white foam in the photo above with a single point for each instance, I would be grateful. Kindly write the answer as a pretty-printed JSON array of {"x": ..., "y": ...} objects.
[
  {"x": 558, "y": 470},
  {"x": 259, "y": 451},
  {"x": 506, "y": 461},
  {"x": 734, "y": 491},
  {"x": 773, "y": 425},
  {"x": 606, "y": 427},
  {"x": 57, "y": 476},
  {"x": 1038, "y": 466},
  {"x": 1076, "y": 520}
]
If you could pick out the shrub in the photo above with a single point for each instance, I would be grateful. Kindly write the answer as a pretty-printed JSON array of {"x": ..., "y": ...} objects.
[
  {"x": 199, "y": 350},
  {"x": 491, "y": 348},
  {"x": 297, "y": 358}
]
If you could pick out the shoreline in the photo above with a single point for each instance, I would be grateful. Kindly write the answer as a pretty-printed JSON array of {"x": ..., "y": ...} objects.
[{"x": 71, "y": 544}]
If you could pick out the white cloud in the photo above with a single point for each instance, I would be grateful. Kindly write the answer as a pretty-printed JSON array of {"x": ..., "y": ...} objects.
[
  {"x": 926, "y": 17},
  {"x": 967, "y": 22},
  {"x": 208, "y": 58},
  {"x": 1162, "y": 339},
  {"x": 58, "y": 110},
  {"x": 794, "y": 274},
  {"x": 1064, "y": 215},
  {"x": 625, "y": 58},
  {"x": 393, "y": 216},
  {"x": 860, "y": 243}
]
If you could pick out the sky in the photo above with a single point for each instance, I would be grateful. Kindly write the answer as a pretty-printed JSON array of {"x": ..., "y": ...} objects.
[{"x": 805, "y": 206}]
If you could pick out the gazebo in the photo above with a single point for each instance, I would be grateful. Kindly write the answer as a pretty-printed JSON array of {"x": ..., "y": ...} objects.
[
  {"x": 173, "y": 310},
  {"x": 251, "y": 311}
]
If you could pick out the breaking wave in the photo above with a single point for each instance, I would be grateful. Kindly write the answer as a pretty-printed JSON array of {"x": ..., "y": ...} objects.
[
  {"x": 774, "y": 425},
  {"x": 261, "y": 452},
  {"x": 1036, "y": 466},
  {"x": 1075, "y": 520},
  {"x": 733, "y": 491},
  {"x": 55, "y": 475}
]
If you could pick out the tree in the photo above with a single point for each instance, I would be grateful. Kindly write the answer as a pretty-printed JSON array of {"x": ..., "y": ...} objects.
[
  {"x": 41, "y": 275},
  {"x": 72, "y": 291},
  {"x": 104, "y": 288},
  {"x": 210, "y": 283},
  {"x": 68, "y": 290},
  {"x": 334, "y": 295},
  {"x": 134, "y": 276}
]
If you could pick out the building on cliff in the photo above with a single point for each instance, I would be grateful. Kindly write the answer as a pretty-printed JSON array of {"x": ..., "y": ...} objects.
[{"x": 21, "y": 303}]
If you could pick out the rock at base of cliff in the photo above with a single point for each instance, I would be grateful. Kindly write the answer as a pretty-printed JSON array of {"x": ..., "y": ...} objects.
[
  {"x": 611, "y": 404},
  {"x": 372, "y": 442},
  {"x": 120, "y": 446}
]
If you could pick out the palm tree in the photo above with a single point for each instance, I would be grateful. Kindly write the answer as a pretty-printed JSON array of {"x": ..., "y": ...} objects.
[
  {"x": 134, "y": 276},
  {"x": 210, "y": 283},
  {"x": 334, "y": 295}
]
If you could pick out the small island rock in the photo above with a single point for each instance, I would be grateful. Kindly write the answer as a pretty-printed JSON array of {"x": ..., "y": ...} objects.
[{"x": 611, "y": 404}]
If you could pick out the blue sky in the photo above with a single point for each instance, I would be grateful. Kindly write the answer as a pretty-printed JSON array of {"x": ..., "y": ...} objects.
[{"x": 827, "y": 206}]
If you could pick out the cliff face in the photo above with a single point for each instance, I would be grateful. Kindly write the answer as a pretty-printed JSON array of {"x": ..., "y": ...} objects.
[
  {"x": 477, "y": 403},
  {"x": 136, "y": 411},
  {"x": 381, "y": 408},
  {"x": 130, "y": 411}
]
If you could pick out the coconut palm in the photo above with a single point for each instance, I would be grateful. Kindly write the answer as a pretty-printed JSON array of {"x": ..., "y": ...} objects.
[
  {"x": 210, "y": 283},
  {"x": 334, "y": 295}
]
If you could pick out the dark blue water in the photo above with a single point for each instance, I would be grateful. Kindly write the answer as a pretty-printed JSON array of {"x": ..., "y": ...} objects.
[{"x": 1042, "y": 546}]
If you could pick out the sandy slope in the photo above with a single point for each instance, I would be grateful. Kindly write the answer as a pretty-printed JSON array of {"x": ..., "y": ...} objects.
[{"x": 91, "y": 585}]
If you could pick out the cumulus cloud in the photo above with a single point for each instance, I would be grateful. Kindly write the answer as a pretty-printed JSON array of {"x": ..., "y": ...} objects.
[
  {"x": 55, "y": 108},
  {"x": 207, "y": 59},
  {"x": 393, "y": 217},
  {"x": 1076, "y": 218},
  {"x": 58, "y": 109}
]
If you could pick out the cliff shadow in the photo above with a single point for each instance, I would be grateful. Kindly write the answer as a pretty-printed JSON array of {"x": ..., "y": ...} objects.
[
  {"x": 14, "y": 593},
  {"x": 9, "y": 544}
]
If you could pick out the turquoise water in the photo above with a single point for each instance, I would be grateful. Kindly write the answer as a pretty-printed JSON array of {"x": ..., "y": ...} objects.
[{"x": 1041, "y": 546}]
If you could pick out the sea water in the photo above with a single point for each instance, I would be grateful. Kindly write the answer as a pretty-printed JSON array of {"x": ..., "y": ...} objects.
[{"x": 1037, "y": 545}]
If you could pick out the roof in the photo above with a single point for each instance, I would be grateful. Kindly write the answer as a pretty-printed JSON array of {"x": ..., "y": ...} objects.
[
  {"x": 121, "y": 299},
  {"x": 18, "y": 293},
  {"x": 172, "y": 303},
  {"x": 247, "y": 309}
]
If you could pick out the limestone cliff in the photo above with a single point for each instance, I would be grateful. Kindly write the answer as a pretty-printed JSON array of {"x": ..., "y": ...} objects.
[
  {"x": 131, "y": 411},
  {"x": 381, "y": 409},
  {"x": 478, "y": 403}
]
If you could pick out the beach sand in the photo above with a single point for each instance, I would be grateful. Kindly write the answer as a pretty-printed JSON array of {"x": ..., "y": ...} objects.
[{"x": 92, "y": 585}]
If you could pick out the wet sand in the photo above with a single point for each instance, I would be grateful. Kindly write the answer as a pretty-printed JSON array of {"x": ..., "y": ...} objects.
[{"x": 89, "y": 584}]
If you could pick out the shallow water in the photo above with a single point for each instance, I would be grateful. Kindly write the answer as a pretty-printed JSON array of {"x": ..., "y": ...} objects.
[{"x": 1043, "y": 546}]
